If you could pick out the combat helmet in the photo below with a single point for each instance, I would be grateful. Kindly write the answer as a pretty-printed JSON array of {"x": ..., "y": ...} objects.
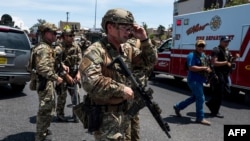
[
  {"x": 47, "y": 27},
  {"x": 117, "y": 16}
]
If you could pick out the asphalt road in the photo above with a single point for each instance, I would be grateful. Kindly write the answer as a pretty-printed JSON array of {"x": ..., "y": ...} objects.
[{"x": 18, "y": 116}]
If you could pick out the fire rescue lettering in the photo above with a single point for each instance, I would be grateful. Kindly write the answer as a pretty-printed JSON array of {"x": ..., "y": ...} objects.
[
  {"x": 213, "y": 37},
  {"x": 196, "y": 28}
]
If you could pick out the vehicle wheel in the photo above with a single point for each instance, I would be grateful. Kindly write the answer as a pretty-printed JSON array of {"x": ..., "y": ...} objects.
[
  {"x": 234, "y": 95},
  {"x": 17, "y": 88},
  {"x": 235, "y": 91},
  {"x": 247, "y": 97},
  {"x": 177, "y": 78}
]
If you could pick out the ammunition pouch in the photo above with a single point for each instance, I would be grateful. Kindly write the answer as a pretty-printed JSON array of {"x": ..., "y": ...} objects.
[
  {"x": 42, "y": 83},
  {"x": 89, "y": 115},
  {"x": 95, "y": 114}
]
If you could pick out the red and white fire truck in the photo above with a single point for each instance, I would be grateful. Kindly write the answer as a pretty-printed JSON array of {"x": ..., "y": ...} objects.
[{"x": 209, "y": 26}]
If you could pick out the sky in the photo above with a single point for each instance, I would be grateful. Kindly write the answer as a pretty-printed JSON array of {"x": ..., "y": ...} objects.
[{"x": 26, "y": 13}]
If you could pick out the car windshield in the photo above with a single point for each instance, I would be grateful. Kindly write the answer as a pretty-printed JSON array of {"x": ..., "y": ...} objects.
[{"x": 14, "y": 40}]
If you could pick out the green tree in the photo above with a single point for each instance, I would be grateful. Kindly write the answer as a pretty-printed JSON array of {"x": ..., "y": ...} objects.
[
  {"x": 236, "y": 2},
  {"x": 35, "y": 26},
  {"x": 169, "y": 32},
  {"x": 160, "y": 31},
  {"x": 228, "y": 3}
]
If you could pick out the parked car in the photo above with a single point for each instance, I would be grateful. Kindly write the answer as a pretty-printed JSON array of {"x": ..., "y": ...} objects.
[{"x": 14, "y": 55}]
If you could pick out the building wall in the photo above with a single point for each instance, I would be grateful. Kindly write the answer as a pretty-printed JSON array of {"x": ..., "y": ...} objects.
[
  {"x": 188, "y": 6},
  {"x": 71, "y": 24}
]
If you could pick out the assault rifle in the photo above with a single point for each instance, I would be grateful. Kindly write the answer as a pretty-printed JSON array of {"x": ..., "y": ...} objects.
[
  {"x": 211, "y": 77},
  {"x": 145, "y": 97}
]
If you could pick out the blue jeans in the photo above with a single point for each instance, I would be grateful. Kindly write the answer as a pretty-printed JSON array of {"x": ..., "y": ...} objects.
[{"x": 198, "y": 97}]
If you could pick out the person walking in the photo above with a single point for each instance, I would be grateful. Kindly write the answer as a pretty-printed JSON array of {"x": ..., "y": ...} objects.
[
  {"x": 108, "y": 89},
  {"x": 222, "y": 61},
  {"x": 197, "y": 72}
]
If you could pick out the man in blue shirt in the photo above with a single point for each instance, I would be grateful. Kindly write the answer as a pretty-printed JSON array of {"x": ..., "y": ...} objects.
[{"x": 197, "y": 74}]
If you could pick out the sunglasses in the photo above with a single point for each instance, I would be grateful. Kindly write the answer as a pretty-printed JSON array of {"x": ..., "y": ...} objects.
[
  {"x": 127, "y": 28},
  {"x": 201, "y": 46},
  {"x": 227, "y": 42},
  {"x": 53, "y": 32},
  {"x": 71, "y": 35}
]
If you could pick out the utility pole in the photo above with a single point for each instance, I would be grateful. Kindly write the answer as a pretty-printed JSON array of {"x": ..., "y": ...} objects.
[
  {"x": 67, "y": 19},
  {"x": 95, "y": 14}
]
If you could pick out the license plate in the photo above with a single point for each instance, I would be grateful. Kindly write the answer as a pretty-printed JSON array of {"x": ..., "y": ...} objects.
[{"x": 3, "y": 60}]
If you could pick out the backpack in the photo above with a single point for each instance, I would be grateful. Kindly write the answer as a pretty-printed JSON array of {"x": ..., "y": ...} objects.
[{"x": 31, "y": 69}]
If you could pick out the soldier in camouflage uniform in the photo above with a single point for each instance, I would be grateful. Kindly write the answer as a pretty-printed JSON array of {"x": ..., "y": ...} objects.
[
  {"x": 46, "y": 76},
  {"x": 108, "y": 89},
  {"x": 141, "y": 74},
  {"x": 71, "y": 56}
]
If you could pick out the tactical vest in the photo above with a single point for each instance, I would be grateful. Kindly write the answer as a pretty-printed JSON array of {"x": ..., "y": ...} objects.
[
  {"x": 71, "y": 59},
  {"x": 203, "y": 62},
  {"x": 223, "y": 55},
  {"x": 31, "y": 68},
  {"x": 103, "y": 54}
]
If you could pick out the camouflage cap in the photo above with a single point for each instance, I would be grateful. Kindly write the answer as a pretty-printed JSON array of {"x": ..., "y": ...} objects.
[
  {"x": 119, "y": 16},
  {"x": 47, "y": 27}
]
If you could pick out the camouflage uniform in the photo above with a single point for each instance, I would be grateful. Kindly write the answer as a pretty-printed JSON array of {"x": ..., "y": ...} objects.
[
  {"x": 71, "y": 56},
  {"x": 44, "y": 60},
  {"x": 103, "y": 84},
  {"x": 140, "y": 72},
  {"x": 84, "y": 43}
]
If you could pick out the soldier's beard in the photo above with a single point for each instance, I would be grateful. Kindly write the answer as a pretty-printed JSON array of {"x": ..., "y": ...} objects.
[{"x": 49, "y": 40}]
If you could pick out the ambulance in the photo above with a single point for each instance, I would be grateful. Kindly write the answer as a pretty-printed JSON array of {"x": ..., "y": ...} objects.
[{"x": 210, "y": 25}]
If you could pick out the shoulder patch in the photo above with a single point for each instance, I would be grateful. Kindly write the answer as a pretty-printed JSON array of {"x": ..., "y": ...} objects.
[
  {"x": 94, "y": 53},
  {"x": 84, "y": 64}
]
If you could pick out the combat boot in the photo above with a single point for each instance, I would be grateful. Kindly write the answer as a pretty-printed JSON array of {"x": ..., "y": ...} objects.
[
  {"x": 48, "y": 132},
  {"x": 61, "y": 118},
  {"x": 48, "y": 138},
  {"x": 76, "y": 120}
]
